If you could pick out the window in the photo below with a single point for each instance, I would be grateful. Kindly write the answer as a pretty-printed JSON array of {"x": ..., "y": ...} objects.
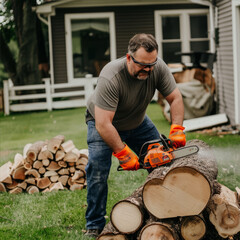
[
  {"x": 90, "y": 43},
  {"x": 181, "y": 31}
]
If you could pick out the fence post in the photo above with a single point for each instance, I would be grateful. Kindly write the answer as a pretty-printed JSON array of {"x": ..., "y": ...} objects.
[
  {"x": 6, "y": 97},
  {"x": 48, "y": 93}
]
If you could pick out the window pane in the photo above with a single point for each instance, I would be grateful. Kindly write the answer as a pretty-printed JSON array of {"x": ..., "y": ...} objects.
[
  {"x": 90, "y": 46},
  {"x": 170, "y": 28},
  {"x": 199, "y": 26},
  {"x": 169, "y": 50}
]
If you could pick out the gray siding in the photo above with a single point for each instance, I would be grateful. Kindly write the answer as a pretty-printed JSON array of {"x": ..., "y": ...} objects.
[
  {"x": 129, "y": 20},
  {"x": 224, "y": 73}
]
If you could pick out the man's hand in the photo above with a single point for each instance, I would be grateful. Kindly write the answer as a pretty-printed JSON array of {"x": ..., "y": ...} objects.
[
  {"x": 128, "y": 160},
  {"x": 177, "y": 136}
]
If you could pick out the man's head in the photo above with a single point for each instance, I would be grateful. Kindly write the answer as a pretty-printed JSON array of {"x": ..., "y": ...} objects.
[{"x": 142, "y": 55}]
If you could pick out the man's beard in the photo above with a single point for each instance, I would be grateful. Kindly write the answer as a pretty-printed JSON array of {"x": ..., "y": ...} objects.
[{"x": 136, "y": 75}]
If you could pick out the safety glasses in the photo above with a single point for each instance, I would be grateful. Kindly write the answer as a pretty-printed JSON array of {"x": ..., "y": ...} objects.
[{"x": 143, "y": 65}]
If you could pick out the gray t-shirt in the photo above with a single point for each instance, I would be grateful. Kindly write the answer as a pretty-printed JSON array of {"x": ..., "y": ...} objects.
[{"x": 128, "y": 96}]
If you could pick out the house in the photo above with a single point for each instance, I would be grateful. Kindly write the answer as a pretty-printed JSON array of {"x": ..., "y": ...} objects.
[{"x": 86, "y": 34}]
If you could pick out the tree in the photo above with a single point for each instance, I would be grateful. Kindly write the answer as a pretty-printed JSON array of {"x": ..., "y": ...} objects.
[{"x": 24, "y": 69}]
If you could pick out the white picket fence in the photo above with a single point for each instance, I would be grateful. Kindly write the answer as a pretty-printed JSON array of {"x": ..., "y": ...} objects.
[{"x": 52, "y": 96}]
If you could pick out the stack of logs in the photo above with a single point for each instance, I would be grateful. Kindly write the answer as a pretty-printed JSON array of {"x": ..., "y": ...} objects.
[
  {"x": 180, "y": 201},
  {"x": 45, "y": 166}
]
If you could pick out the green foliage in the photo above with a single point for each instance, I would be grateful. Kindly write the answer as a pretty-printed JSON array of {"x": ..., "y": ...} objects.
[{"x": 61, "y": 215}]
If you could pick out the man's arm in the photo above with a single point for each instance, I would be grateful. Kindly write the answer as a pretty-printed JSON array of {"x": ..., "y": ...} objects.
[
  {"x": 176, "y": 107},
  {"x": 107, "y": 131}
]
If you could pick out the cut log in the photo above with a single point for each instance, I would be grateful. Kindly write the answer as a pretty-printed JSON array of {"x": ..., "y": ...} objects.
[
  {"x": 193, "y": 227},
  {"x": 23, "y": 185},
  {"x": 82, "y": 160},
  {"x": 54, "y": 179},
  {"x": 19, "y": 173},
  {"x": 127, "y": 215},
  {"x": 43, "y": 183},
  {"x": 42, "y": 170},
  {"x": 27, "y": 165},
  {"x": 186, "y": 185},
  {"x": 32, "y": 173},
  {"x": 2, "y": 187},
  {"x": 110, "y": 233},
  {"x": 12, "y": 185},
  {"x": 68, "y": 146},
  {"x": 45, "y": 162},
  {"x": 77, "y": 175},
  {"x": 25, "y": 149},
  {"x": 76, "y": 151},
  {"x": 62, "y": 164},
  {"x": 33, "y": 151},
  {"x": 50, "y": 173},
  {"x": 32, "y": 189},
  {"x": 30, "y": 180},
  {"x": 63, "y": 171},
  {"x": 53, "y": 166},
  {"x": 5, "y": 173},
  {"x": 59, "y": 155},
  {"x": 76, "y": 187},
  {"x": 72, "y": 169},
  {"x": 225, "y": 212},
  {"x": 158, "y": 231},
  {"x": 54, "y": 144},
  {"x": 70, "y": 157},
  {"x": 45, "y": 153}
]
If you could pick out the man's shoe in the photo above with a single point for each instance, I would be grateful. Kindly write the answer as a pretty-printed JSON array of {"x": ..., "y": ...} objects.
[{"x": 93, "y": 233}]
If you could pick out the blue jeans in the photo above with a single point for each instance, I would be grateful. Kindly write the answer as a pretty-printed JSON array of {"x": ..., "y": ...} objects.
[{"x": 99, "y": 164}]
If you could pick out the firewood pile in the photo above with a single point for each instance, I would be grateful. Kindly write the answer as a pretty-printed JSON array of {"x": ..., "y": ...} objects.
[
  {"x": 181, "y": 201},
  {"x": 45, "y": 166}
]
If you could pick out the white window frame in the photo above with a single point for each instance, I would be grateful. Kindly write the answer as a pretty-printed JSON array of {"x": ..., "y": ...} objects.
[
  {"x": 236, "y": 56},
  {"x": 68, "y": 37},
  {"x": 185, "y": 35}
]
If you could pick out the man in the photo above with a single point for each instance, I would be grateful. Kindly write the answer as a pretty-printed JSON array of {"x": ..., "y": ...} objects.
[{"x": 116, "y": 118}]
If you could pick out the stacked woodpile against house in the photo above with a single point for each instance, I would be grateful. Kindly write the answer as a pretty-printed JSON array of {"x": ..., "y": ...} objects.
[
  {"x": 45, "y": 166},
  {"x": 181, "y": 201}
]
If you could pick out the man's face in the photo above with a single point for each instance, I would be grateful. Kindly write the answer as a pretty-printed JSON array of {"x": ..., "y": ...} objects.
[{"x": 136, "y": 63}]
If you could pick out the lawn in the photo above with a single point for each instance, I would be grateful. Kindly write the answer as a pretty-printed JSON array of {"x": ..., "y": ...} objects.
[{"x": 60, "y": 215}]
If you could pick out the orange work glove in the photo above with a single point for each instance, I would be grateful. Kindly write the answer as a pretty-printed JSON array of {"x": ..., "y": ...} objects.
[
  {"x": 177, "y": 136},
  {"x": 128, "y": 160}
]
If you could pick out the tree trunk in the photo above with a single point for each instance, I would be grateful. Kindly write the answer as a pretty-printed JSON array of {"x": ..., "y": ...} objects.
[{"x": 184, "y": 188}]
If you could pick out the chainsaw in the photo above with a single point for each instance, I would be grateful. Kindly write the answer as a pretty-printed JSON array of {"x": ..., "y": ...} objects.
[{"x": 159, "y": 152}]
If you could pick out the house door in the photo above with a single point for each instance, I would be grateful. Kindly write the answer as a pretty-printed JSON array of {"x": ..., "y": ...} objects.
[
  {"x": 181, "y": 31},
  {"x": 90, "y": 43}
]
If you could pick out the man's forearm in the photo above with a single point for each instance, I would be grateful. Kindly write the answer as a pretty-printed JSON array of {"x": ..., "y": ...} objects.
[{"x": 177, "y": 112}]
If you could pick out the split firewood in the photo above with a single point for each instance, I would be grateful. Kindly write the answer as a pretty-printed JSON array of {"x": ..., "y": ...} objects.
[
  {"x": 25, "y": 149},
  {"x": 127, "y": 215},
  {"x": 42, "y": 170},
  {"x": 72, "y": 169},
  {"x": 30, "y": 180},
  {"x": 77, "y": 175},
  {"x": 81, "y": 180},
  {"x": 54, "y": 143},
  {"x": 18, "y": 161},
  {"x": 54, "y": 179},
  {"x": 76, "y": 151},
  {"x": 27, "y": 165},
  {"x": 225, "y": 212},
  {"x": 68, "y": 146},
  {"x": 43, "y": 183},
  {"x": 19, "y": 173},
  {"x": 76, "y": 187},
  {"x": 63, "y": 179},
  {"x": 193, "y": 227},
  {"x": 63, "y": 171},
  {"x": 238, "y": 194},
  {"x": 84, "y": 153},
  {"x": 32, "y": 189},
  {"x": 23, "y": 185},
  {"x": 16, "y": 190},
  {"x": 5, "y": 173},
  {"x": 82, "y": 160},
  {"x": 45, "y": 153},
  {"x": 50, "y": 173},
  {"x": 2, "y": 187},
  {"x": 57, "y": 186},
  {"x": 62, "y": 164},
  {"x": 70, "y": 157},
  {"x": 12, "y": 185},
  {"x": 32, "y": 173},
  {"x": 110, "y": 233},
  {"x": 37, "y": 164},
  {"x": 60, "y": 154},
  {"x": 54, "y": 166},
  {"x": 33, "y": 151},
  {"x": 81, "y": 167},
  {"x": 186, "y": 185},
  {"x": 46, "y": 190}
]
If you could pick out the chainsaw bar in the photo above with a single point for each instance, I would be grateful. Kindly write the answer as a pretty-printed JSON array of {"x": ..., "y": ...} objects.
[{"x": 184, "y": 151}]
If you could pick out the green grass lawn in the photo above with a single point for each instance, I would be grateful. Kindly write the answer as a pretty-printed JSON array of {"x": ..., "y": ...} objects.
[{"x": 60, "y": 215}]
